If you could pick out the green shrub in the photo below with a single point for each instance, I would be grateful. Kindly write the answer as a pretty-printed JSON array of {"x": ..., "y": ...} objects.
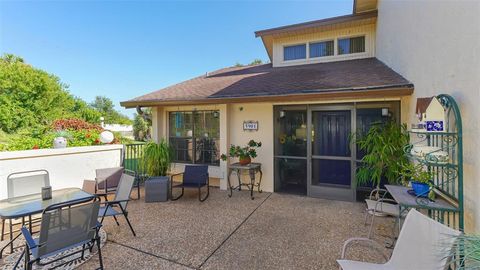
[{"x": 157, "y": 158}]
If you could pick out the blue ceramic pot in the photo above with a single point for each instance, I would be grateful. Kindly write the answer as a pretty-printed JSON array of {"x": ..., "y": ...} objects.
[{"x": 420, "y": 189}]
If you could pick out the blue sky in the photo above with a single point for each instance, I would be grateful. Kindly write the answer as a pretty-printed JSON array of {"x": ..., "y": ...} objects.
[{"x": 125, "y": 49}]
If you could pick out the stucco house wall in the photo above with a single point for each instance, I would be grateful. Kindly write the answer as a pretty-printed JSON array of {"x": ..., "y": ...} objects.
[{"x": 436, "y": 46}]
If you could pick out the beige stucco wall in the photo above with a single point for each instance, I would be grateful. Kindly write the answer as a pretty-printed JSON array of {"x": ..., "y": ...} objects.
[
  {"x": 436, "y": 45},
  {"x": 263, "y": 113},
  {"x": 367, "y": 30}
]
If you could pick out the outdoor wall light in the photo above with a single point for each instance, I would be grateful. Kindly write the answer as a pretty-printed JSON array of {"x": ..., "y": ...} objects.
[
  {"x": 215, "y": 114},
  {"x": 282, "y": 114},
  {"x": 385, "y": 112}
]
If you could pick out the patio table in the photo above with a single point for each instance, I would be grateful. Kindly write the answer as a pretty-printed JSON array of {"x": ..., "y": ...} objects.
[
  {"x": 406, "y": 201},
  {"x": 252, "y": 170},
  {"x": 23, "y": 206}
]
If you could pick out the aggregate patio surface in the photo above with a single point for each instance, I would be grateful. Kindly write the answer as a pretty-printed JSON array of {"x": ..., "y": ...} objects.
[{"x": 274, "y": 231}]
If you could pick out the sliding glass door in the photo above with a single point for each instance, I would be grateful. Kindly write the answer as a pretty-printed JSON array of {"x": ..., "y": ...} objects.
[
  {"x": 314, "y": 154},
  {"x": 291, "y": 150}
]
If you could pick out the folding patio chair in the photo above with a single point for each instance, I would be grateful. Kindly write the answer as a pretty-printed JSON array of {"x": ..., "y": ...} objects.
[
  {"x": 107, "y": 179},
  {"x": 119, "y": 204},
  {"x": 194, "y": 176},
  {"x": 378, "y": 205},
  {"x": 22, "y": 184},
  {"x": 64, "y": 226},
  {"x": 423, "y": 243}
]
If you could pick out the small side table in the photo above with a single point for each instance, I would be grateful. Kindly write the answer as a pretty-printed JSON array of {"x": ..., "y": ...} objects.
[
  {"x": 253, "y": 169},
  {"x": 157, "y": 189}
]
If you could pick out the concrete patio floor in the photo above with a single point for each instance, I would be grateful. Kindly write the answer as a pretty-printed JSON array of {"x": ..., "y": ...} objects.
[{"x": 274, "y": 231}]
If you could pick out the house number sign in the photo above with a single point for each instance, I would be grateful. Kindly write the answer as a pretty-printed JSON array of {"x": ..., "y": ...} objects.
[{"x": 250, "y": 125}]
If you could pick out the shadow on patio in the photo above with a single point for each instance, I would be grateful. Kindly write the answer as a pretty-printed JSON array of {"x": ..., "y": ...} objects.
[{"x": 274, "y": 231}]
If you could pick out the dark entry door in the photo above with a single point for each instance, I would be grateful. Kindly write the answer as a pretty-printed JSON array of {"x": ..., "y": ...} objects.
[{"x": 331, "y": 155}]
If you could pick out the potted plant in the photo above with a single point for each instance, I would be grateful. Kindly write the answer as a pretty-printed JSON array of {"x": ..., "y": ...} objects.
[
  {"x": 419, "y": 178},
  {"x": 382, "y": 146},
  {"x": 244, "y": 154},
  {"x": 60, "y": 140},
  {"x": 156, "y": 159}
]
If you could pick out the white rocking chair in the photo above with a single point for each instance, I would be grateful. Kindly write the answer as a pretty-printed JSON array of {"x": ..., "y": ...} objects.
[{"x": 423, "y": 243}]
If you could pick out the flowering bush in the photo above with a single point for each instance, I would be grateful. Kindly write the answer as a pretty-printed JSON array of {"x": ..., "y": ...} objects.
[
  {"x": 77, "y": 132},
  {"x": 74, "y": 124}
]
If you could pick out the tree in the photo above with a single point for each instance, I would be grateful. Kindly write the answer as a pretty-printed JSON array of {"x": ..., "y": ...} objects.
[
  {"x": 85, "y": 111},
  {"x": 30, "y": 97},
  {"x": 140, "y": 128},
  {"x": 105, "y": 106},
  {"x": 256, "y": 61}
]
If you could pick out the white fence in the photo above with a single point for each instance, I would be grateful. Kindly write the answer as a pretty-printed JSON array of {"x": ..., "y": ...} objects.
[{"x": 67, "y": 167}]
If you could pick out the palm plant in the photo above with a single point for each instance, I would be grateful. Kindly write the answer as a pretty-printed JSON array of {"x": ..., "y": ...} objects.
[
  {"x": 156, "y": 158},
  {"x": 383, "y": 145},
  {"x": 468, "y": 246}
]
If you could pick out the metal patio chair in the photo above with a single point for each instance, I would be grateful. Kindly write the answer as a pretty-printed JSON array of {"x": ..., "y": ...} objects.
[
  {"x": 107, "y": 179},
  {"x": 194, "y": 176},
  {"x": 119, "y": 204},
  {"x": 379, "y": 206},
  {"x": 64, "y": 226},
  {"x": 22, "y": 184},
  {"x": 423, "y": 243}
]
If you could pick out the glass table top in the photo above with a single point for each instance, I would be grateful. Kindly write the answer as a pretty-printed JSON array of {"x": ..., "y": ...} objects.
[{"x": 33, "y": 204}]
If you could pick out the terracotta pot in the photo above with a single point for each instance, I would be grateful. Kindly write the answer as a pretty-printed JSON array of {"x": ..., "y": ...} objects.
[{"x": 245, "y": 161}]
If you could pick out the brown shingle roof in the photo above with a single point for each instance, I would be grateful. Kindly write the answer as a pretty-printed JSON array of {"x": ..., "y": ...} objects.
[{"x": 267, "y": 81}]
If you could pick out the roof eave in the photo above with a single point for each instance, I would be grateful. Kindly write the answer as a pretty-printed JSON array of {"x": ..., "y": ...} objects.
[
  {"x": 364, "y": 92},
  {"x": 318, "y": 23}
]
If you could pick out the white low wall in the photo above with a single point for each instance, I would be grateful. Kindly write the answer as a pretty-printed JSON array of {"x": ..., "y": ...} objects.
[{"x": 67, "y": 167}]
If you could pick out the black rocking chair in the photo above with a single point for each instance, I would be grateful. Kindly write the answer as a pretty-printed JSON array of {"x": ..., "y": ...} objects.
[{"x": 194, "y": 176}]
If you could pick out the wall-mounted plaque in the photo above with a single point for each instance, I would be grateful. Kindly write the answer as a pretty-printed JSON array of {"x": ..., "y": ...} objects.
[{"x": 250, "y": 125}]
